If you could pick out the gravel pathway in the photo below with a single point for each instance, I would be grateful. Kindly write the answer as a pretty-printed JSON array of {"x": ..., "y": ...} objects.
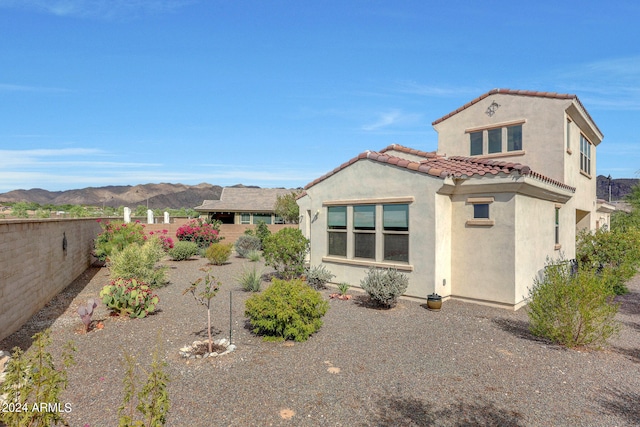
[{"x": 465, "y": 365}]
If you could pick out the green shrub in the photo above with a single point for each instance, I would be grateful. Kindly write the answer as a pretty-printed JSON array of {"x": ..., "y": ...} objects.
[
  {"x": 139, "y": 262},
  {"x": 318, "y": 276},
  {"x": 116, "y": 237},
  {"x": 617, "y": 250},
  {"x": 572, "y": 308},
  {"x": 251, "y": 280},
  {"x": 32, "y": 378},
  {"x": 152, "y": 400},
  {"x": 219, "y": 253},
  {"x": 129, "y": 297},
  {"x": 384, "y": 286},
  {"x": 285, "y": 252},
  {"x": 343, "y": 287},
  {"x": 183, "y": 250},
  {"x": 286, "y": 310},
  {"x": 261, "y": 231},
  {"x": 246, "y": 244},
  {"x": 254, "y": 256}
]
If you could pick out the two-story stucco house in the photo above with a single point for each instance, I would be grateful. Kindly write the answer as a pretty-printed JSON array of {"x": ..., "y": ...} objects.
[{"x": 511, "y": 184}]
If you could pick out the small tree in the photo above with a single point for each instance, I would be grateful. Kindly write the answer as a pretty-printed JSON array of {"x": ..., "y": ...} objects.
[
  {"x": 285, "y": 251},
  {"x": 32, "y": 378},
  {"x": 211, "y": 288},
  {"x": 287, "y": 208}
]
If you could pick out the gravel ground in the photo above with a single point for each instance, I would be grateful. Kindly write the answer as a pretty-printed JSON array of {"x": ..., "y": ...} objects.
[{"x": 465, "y": 365}]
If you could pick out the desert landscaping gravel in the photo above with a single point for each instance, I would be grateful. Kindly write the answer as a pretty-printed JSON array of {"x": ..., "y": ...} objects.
[{"x": 467, "y": 364}]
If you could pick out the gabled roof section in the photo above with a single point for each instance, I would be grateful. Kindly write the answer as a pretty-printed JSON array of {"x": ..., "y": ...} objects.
[
  {"x": 441, "y": 167},
  {"x": 552, "y": 95},
  {"x": 244, "y": 199}
]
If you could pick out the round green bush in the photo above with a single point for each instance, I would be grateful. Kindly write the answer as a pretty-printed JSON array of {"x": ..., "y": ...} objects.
[
  {"x": 183, "y": 250},
  {"x": 246, "y": 244},
  {"x": 285, "y": 251},
  {"x": 219, "y": 253},
  {"x": 286, "y": 310}
]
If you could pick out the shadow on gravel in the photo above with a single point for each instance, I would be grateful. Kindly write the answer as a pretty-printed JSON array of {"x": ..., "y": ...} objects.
[
  {"x": 48, "y": 314},
  {"x": 629, "y": 303},
  {"x": 623, "y": 403},
  {"x": 632, "y": 354},
  {"x": 204, "y": 334},
  {"x": 409, "y": 411}
]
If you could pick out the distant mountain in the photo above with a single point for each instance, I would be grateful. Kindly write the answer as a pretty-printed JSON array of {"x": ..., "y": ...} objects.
[
  {"x": 159, "y": 196},
  {"x": 619, "y": 187}
]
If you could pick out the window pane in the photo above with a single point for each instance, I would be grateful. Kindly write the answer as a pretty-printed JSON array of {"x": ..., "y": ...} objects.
[
  {"x": 395, "y": 217},
  {"x": 266, "y": 218},
  {"x": 245, "y": 218},
  {"x": 514, "y": 138},
  {"x": 481, "y": 210},
  {"x": 495, "y": 140},
  {"x": 364, "y": 217},
  {"x": 337, "y": 218},
  {"x": 338, "y": 243},
  {"x": 365, "y": 245},
  {"x": 476, "y": 143},
  {"x": 396, "y": 247}
]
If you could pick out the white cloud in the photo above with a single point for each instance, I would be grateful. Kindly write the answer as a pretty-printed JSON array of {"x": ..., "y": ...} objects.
[
  {"x": 101, "y": 9},
  {"x": 391, "y": 118},
  {"x": 6, "y": 87}
]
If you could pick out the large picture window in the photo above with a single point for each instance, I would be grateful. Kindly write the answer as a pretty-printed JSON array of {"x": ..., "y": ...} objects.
[
  {"x": 492, "y": 140},
  {"x": 337, "y": 229},
  {"x": 396, "y": 232},
  {"x": 364, "y": 231}
]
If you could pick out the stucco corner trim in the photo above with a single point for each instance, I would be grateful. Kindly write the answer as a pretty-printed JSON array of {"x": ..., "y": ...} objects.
[{"x": 480, "y": 223}]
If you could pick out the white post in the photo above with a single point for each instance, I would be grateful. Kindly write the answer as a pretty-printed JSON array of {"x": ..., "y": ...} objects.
[
  {"x": 149, "y": 216},
  {"x": 166, "y": 217},
  {"x": 127, "y": 215}
]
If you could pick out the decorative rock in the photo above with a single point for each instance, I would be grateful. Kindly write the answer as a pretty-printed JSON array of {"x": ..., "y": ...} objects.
[{"x": 186, "y": 351}]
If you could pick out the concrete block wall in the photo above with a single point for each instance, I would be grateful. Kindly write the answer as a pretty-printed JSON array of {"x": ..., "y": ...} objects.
[{"x": 35, "y": 267}]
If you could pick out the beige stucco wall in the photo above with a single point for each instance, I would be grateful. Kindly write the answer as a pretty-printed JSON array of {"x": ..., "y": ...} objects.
[
  {"x": 367, "y": 179},
  {"x": 34, "y": 267}
]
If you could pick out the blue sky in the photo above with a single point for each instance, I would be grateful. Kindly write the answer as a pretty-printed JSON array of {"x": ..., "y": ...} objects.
[{"x": 277, "y": 93}]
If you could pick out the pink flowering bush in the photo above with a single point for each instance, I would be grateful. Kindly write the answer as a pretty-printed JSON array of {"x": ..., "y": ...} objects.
[
  {"x": 165, "y": 240},
  {"x": 115, "y": 237},
  {"x": 200, "y": 232}
]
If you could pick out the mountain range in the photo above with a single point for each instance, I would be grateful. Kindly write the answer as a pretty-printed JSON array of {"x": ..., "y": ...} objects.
[{"x": 176, "y": 196}]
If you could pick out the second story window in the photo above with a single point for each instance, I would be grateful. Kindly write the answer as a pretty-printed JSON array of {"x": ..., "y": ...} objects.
[
  {"x": 585, "y": 155},
  {"x": 495, "y": 140}
]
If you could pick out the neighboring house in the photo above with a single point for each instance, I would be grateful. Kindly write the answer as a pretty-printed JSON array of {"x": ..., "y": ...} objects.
[
  {"x": 479, "y": 223},
  {"x": 244, "y": 205}
]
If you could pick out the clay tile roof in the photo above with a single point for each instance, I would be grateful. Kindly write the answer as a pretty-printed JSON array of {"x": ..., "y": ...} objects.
[
  {"x": 554, "y": 95},
  {"x": 442, "y": 167}
]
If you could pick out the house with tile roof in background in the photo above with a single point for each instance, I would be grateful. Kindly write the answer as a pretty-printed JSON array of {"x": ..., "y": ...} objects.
[{"x": 510, "y": 186}]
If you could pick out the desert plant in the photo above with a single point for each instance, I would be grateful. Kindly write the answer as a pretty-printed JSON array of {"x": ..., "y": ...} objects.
[
  {"x": 384, "y": 286},
  {"x": 183, "y": 250},
  {"x": 261, "y": 231},
  {"x": 250, "y": 280},
  {"x": 285, "y": 251},
  {"x": 245, "y": 244},
  {"x": 617, "y": 250},
  {"x": 163, "y": 237},
  {"x": 287, "y": 207},
  {"x": 219, "y": 253},
  {"x": 254, "y": 256},
  {"x": 572, "y": 308},
  {"x": 129, "y": 297},
  {"x": 152, "y": 400},
  {"x": 211, "y": 288},
  {"x": 33, "y": 379},
  {"x": 116, "y": 237},
  {"x": 286, "y": 310},
  {"x": 204, "y": 234},
  {"x": 86, "y": 311},
  {"x": 139, "y": 262},
  {"x": 343, "y": 288},
  {"x": 318, "y": 276}
]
